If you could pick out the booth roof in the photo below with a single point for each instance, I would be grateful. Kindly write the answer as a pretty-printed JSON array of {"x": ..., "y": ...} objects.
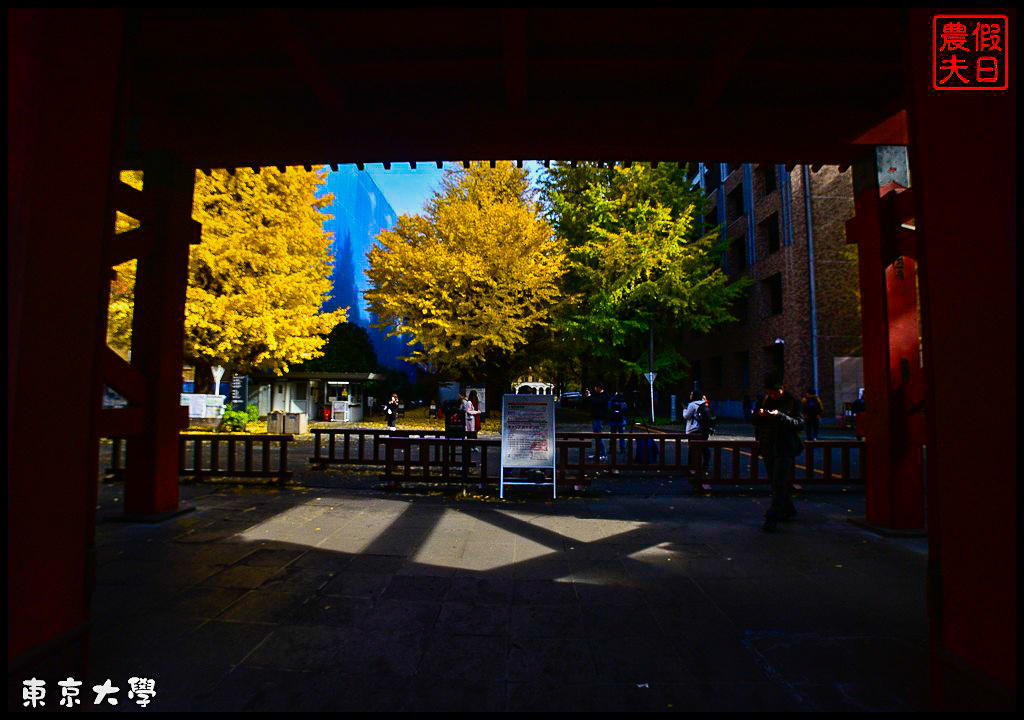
[{"x": 317, "y": 376}]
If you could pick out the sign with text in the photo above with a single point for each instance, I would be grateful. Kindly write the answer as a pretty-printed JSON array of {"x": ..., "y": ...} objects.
[
  {"x": 528, "y": 431},
  {"x": 527, "y": 440},
  {"x": 240, "y": 392}
]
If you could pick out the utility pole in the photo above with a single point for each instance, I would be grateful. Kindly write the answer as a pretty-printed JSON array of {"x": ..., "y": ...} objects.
[{"x": 650, "y": 360}]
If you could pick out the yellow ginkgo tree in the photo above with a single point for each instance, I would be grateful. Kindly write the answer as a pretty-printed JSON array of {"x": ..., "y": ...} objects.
[
  {"x": 259, "y": 277},
  {"x": 473, "y": 279}
]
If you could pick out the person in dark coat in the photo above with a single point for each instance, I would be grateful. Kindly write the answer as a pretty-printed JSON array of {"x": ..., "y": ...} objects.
[
  {"x": 391, "y": 412},
  {"x": 777, "y": 423},
  {"x": 618, "y": 410},
  {"x": 598, "y": 416},
  {"x": 813, "y": 409}
]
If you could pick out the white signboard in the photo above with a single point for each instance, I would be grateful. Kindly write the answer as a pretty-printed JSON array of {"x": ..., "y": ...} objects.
[{"x": 527, "y": 436}]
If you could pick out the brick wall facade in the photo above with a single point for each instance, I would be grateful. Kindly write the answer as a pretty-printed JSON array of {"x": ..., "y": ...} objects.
[{"x": 734, "y": 358}]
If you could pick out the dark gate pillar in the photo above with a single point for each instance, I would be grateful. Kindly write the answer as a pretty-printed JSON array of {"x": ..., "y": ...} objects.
[
  {"x": 894, "y": 495},
  {"x": 62, "y": 84},
  {"x": 963, "y": 158},
  {"x": 151, "y": 479},
  {"x": 905, "y": 505}
]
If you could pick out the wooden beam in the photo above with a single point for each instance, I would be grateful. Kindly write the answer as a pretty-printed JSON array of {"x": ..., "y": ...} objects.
[
  {"x": 127, "y": 246},
  {"x": 122, "y": 377},
  {"x": 120, "y": 422}
]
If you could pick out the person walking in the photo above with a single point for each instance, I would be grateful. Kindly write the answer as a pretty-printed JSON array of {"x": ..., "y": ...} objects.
[
  {"x": 598, "y": 416},
  {"x": 391, "y": 412},
  {"x": 698, "y": 424},
  {"x": 813, "y": 409},
  {"x": 777, "y": 423}
]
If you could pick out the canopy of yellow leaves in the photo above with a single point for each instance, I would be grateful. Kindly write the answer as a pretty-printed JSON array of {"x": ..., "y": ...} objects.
[
  {"x": 473, "y": 276},
  {"x": 259, "y": 276}
]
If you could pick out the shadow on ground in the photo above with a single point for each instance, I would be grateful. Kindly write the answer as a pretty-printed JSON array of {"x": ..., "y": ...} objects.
[{"x": 348, "y": 598}]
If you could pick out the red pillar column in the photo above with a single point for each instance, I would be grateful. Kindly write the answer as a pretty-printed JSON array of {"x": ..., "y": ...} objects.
[
  {"x": 963, "y": 158},
  {"x": 151, "y": 479},
  {"x": 905, "y": 504},
  {"x": 865, "y": 230},
  {"x": 62, "y": 91}
]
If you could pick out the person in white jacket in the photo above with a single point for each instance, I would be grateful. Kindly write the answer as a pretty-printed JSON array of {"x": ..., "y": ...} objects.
[
  {"x": 694, "y": 428},
  {"x": 470, "y": 413}
]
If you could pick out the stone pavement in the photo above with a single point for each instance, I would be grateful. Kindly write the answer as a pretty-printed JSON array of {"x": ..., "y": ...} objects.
[{"x": 349, "y": 598}]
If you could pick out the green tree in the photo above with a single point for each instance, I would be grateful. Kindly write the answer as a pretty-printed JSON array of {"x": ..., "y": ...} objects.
[
  {"x": 257, "y": 279},
  {"x": 472, "y": 280},
  {"x": 348, "y": 349},
  {"x": 636, "y": 258}
]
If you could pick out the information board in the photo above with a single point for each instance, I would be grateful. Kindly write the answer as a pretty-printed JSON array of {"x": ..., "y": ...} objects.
[
  {"x": 527, "y": 436},
  {"x": 239, "y": 392}
]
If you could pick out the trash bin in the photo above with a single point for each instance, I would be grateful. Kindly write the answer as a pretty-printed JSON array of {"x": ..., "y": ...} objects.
[
  {"x": 296, "y": 423},
  {"x": 454, "y": 426},
  {"x": 454, "y": 419},
  {"x": 275, "y": 422}
]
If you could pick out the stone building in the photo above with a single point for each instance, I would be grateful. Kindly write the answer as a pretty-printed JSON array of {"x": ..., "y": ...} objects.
[{"x": 801, "y": 315}]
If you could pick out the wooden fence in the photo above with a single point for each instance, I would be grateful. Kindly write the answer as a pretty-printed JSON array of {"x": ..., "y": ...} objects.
[
  {"x": 214, "y": 454},
  {"x": 467, "y": 460},
  {"x": 408, "y": 455},
  {"x": 732, "y": 462},
  {"x": 358, "y": 446}
]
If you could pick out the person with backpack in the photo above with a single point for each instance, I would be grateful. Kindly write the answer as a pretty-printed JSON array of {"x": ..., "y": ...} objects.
[
  {"x": 598, "y": 416},
  {"x": 699, "y": 424},
  {"x": 618, "y": 410},
  {"x": 813, "y": 409}
]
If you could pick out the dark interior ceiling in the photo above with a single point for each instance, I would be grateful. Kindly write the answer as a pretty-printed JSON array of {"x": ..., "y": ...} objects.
[{"x": 224, "y": 88}]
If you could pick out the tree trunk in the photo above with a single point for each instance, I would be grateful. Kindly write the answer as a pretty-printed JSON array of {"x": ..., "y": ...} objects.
[{"x": 204, "y": 377}]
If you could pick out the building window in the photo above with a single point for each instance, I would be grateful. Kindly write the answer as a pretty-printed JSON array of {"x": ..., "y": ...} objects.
[
  {"x": 768, "y": 234},
  {"x": 716, "y": 373},
  {"x": 773, "y": 294},
  {"x": 737, "y": 255},
  {"x": 739, "y": 309},
  {"x": 775, "y": 359},
  {"x": 743, "y": 370},
  {"x": 712, "y": 177},
  {"x": 711, "y": 220},
  {"x": 734, "y": 204},
  {"x": 767, "y": 173}
]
